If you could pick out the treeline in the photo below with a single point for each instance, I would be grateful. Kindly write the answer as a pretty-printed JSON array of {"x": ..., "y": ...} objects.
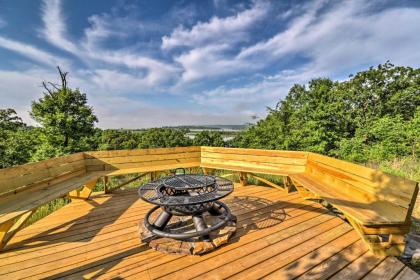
[{"x": 372, "y": 116}]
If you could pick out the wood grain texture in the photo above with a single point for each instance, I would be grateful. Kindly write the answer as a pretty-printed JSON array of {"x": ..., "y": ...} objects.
[{"x": 280, "y": 236}]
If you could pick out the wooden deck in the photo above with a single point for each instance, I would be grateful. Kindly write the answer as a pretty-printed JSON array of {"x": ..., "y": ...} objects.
[{"x": 280, "y": 236}]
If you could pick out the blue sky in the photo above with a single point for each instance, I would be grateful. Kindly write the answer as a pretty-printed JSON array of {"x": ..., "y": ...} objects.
[{"x": 160, "y": 63}]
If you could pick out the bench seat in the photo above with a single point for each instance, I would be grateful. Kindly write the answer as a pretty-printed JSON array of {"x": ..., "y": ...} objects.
[
  {"x": 17, "y": 204},
  {"x": 367, "y": 211}
]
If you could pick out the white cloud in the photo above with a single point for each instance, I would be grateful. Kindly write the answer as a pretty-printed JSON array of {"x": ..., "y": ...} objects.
[
  {"x": 345, "y": 36},
  {"x": 31, "y": 52},
  {"x": 254, "y": 97},
  {"x": 19, "y": 88},
  {"x": 217, "y": 30},
  {"x": 54, "y": 30},
  {"x": 207, "y": 62},
  {"x": 328, "y": 39},
  {"x": 90, "y": 50}
]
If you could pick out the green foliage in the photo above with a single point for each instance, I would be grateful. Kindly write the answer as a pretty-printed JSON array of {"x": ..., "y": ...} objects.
[
  {"x": 385, "y": 139},
  {"x": 112, "y": 139},
  {"x": 17, "y": 142},
  {"x": 9, "y": 120},
  {"x": 66, "y": 118},
  {"x": 209, "y": 138},
  {"x": 371, "y": 116},
  {"x": 163, "y": 137}
]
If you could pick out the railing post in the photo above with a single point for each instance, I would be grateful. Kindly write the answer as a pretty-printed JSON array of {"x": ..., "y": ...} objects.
[
  {"x": 207, "y": 171},
  {"x": 243, "y": 178},
  {"x": 106, "y": 188}
]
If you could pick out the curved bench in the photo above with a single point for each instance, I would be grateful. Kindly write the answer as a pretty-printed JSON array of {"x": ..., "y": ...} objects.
[
  {"x": 375, "y": 203},
  {"x": 378, "y": 205}
]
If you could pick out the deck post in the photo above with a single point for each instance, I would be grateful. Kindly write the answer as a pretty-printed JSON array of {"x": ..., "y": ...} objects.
[
  {"x": 106, "y": 187},
  {"x": 207, "y": 171},
  {"x": 243, "y": 178}
]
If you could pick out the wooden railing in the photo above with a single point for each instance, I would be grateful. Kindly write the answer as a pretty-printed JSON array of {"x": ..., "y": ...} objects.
[{"x": 26, "y": 187}]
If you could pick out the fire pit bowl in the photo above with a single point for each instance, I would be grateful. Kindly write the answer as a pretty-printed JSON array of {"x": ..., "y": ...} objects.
[{"x": 182, "y": 196}]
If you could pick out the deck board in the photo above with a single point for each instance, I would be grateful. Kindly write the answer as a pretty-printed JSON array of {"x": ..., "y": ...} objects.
[{"x": 279, "y": 236}]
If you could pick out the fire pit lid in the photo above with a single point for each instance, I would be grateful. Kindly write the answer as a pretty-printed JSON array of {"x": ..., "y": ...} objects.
[{"x": 185, "y": 189}]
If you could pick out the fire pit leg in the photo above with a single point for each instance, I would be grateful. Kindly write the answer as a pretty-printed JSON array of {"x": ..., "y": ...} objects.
[
  {"x": 162, "y": 220},
  {"x": 200, "y": 225},
  {"x": 215, "y": 210}
]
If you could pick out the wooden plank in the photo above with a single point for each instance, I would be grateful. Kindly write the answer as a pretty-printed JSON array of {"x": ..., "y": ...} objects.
[
  {"x": 236, "y": 250},
  {"x": 314, "y": 258},
  {"x": 25, "y": 169},
  {"x": 31, "y": 262},
  {"x": 387, "y": 269},
  {"x": 264, "y": 249},
  {"x": 141, "y": 152},
  {"x": 34, "y": 186},
  {"x": 335, "y": 263},
  {"x": 145, "y": 158},
  {"x": 23, "y": 202},
  {"x": 256, "y": 152},
  {"x": 260, "y": 265},
  {"x": 92, "y": 220},
  {"x": 358, "y": 268},
  {"x": 37, "y": 257},
  {"x": 375, "y": 177},
  {"x": 241, "y": 238},
  {"x": 254, "y": 158},
  {"x": 15, "y": 179},
  {"x": 407, "y": 274},
  {"x": 396, "y": 194},
  {"x": 364, "y": 212},
  {"x": 91, "y": 242},
  {"x": 148, "y": 166},
  {"x": 257, "y": 167}
]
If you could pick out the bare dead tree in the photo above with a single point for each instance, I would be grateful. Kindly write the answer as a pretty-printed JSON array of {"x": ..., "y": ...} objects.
[{"x": 50, "y": 87}]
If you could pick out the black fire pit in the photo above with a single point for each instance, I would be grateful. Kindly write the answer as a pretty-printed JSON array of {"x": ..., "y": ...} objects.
[{"x": 187, "y": 195}]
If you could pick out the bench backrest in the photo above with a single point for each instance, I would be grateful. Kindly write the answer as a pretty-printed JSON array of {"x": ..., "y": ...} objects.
[
  {"x": 254, "y": 160},
  {"x": 146, "y": 160},
  {"x": 361, "y": 181},
  {"x": 40, "y": 174}
]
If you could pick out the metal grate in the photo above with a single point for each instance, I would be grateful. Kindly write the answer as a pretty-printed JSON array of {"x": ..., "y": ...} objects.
[{"x": 185, "y": 189}]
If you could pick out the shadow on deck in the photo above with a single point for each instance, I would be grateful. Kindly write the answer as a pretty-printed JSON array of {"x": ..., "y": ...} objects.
[{"x": 279, "y": 236}]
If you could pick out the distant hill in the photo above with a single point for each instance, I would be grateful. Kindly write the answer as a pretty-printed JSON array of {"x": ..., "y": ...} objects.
[{"x": 212, "y": 127}]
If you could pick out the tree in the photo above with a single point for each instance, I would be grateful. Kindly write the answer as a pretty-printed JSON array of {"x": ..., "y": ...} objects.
[
  {"x": 358, "y": 119},
  {"x": 65, "y": 116},
  {"x": 209, "y": 138},
  {"x": 112, "y": 139},
  {"x": 17, "y": 141},
  {"x": 9, "y": 120},
  {"x": 163, "y": 137}
]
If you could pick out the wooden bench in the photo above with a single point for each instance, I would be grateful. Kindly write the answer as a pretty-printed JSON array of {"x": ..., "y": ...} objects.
[
  {"x": 26, "y": 187},
  {"x": 23, "y": 188},
  {"x": 378, "y": 205},
  {"x": 250, "y": 161}
]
